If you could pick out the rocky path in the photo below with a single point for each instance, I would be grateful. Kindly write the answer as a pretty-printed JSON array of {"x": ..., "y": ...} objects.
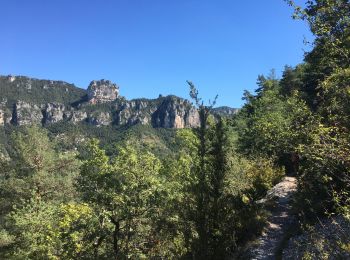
[{"x": 280, "y": 220}]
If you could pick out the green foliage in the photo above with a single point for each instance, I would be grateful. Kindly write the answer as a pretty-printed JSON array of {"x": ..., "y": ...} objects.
[
  {"x": 303, "y": 119},
  {"x": 160, "y": 141},
  {"x": 324, "y": 185},
  {"x": 329, "y": 21},
  {"x": 33, "y": 227},
  {"x": 335, "y": 95},
  {"x": 129, "y": 203},
  {"x": 145, "y": 193},
  {"x": 38, "y": 91},
  {"x": 272, "y": 123},
  {"x": 126, "y": 192},
  {"x": 34, "y": 178},
  {"x": 263, "y": 175},
  {"x": 44, "y": 230},
  {"x": 35, "y": 167},
  {"x": 292, "y": 80},
  {"x": 224, "y": 189},
  {"x": 77, "y": 231}
]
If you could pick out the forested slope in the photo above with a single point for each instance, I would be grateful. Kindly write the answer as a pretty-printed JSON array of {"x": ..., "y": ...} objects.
[{"x": 78, "y": 191}]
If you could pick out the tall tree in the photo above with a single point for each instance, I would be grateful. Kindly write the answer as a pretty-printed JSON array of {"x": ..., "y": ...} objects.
[
  {"x": 35, "y": 179},
  {"x": 329, "y": 21},
  {"x": 209, "y": 191}
]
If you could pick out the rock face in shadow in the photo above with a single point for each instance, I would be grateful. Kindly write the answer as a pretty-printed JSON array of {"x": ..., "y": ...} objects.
[
  {"x": 175, "y": 113},
  {"x": 29, "y": 101},
  {"x": 135, "y": 112}
]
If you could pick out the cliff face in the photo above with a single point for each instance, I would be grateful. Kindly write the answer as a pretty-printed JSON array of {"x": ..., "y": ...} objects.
[
  {"x": 225, "y": 111},
  {"x": 100, "y": 119},
  {"x": 102, "y": 91},
  {"x": 55, "y": 112},
  {"x": 30, "y": 101},
  {"x": 135, "y": 112},
  {"x": 175, "y": 113},
  {"x": 168, "y": 112},
  {"x": 25, "y": 114},
  {"x": 2, "y": 117}
]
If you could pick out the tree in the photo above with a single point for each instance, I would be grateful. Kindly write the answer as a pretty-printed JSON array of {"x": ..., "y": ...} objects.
[
  {"x": 34, "y": 180},
  {"x": 35, "y": 166},
  {"x": 33, "y": 227},
  {"x": 292, "y": 80},
  {"x": 220, "y": 210},
  {"x": 78, "y": 231},
  {"x": 273, "y": 125},
  {"x": 126, "y": 193},
  {"x": 204, "y": 174},
  {"x": 329, "y": 21},
  {"x": 324, "y": 182}
]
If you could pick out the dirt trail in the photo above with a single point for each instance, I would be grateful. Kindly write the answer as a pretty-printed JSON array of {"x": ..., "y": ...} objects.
[{"x": 280, "y": 220}]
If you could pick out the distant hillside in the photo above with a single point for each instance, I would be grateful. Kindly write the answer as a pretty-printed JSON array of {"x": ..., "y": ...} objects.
[
  {"x": 225, "y": 111},
  {"x": 36, "y": 91},
  {"x": 26, "y": 101}
]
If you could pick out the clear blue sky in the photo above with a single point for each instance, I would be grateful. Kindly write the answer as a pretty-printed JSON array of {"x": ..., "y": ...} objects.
[{"x": 151, "y": 47}]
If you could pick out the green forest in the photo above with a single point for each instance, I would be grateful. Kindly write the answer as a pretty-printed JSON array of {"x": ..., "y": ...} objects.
[{"x": 143, "y": 193}]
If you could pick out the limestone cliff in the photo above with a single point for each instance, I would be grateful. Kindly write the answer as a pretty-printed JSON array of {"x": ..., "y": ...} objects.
[
  {"x": 225, "y": 111},
  {"x": 102, "y": 91},
  {"x": 135, "y": 112},
  {"x": 78, "y": 116},
  {"x": 100, "y": 119},
  {"x": 30, "y": 101},
  {"x": 175, "y": 113},
  {"x": 26, "y": 113},
  {"x": 2, "y": 117},
  {"x": 55, "y": 112}
]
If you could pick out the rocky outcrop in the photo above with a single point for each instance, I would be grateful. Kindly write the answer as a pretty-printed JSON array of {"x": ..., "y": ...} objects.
[
  {"x": 11, "y": 78},
  {"x": 54, "y": 112},
  {"x": 5, "y": 114},
  {"x": 100, "y": 119},
  {"x": 225, "y": 111},
  {"x": 192, "y": 118},
  {"x": 78, "y": 116},
  {"x": 26, "y": 114},
  {"x": 2, "y": 117},
  {"x": 135, "y": 112},
  {"x": 175, "y": 113},
  {"x": 102, "y": 91},
  {"x": 31, "y": 101},
  {"x": 168, "y": 112}
]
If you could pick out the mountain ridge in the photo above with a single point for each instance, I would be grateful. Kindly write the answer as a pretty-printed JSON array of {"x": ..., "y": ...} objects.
[{"x": 25, "y": 101}]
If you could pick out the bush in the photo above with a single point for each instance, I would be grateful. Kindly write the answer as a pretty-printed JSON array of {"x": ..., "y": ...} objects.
[{"x": 324, "y": 183}]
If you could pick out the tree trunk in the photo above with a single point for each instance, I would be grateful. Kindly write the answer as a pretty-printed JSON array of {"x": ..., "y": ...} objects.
[{"x": 115, "y": 237}]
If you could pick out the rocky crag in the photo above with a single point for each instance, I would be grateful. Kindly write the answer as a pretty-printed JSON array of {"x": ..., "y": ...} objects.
[{"x": 26, "y": 101}]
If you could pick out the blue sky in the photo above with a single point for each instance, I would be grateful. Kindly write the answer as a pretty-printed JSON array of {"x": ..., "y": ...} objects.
[{"x": 151, "y": 47}]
